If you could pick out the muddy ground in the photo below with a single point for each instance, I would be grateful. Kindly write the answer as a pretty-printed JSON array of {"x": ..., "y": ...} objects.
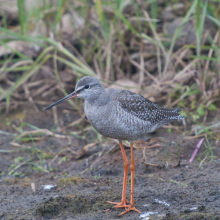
[{"x": 84, "y": 180}]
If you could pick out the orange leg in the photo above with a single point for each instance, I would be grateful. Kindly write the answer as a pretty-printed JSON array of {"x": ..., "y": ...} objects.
[
  {"x": 122, "y": 204},
  {"x": 132, "y": 168}
]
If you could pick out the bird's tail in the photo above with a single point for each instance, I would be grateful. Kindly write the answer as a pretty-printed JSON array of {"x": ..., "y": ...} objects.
[{"x": 172, "y": 114}]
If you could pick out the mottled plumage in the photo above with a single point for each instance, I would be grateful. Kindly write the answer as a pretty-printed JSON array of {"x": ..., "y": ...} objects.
[
  {"x": 146, "y": 110},
  {"x": 121, "y": 114}
]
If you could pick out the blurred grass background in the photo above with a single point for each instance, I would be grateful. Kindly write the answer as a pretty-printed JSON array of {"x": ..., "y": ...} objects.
[{"x": 167, "y": 51}]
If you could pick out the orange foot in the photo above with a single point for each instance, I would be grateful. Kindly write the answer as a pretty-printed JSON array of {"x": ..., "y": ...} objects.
[
  {"x": 121, "y": 204},
  {"x": 130, "y": 207}
]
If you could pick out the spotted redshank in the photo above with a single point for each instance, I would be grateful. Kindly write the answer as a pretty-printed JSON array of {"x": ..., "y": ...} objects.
[{"x": 122, "y": 115}]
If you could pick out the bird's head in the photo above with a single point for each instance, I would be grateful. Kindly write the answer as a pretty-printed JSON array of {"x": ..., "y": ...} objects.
[{"x": 88, "y": 88}]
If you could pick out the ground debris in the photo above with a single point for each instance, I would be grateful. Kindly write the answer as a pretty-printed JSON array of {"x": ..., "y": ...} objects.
[
  {"x": 70, "y": 180},
  {"x": 70, "y": 204},
  {"x": 23, "y": 182}
]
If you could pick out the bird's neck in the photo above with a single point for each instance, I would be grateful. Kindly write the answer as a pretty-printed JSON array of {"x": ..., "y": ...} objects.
[{"x": 99, "y": 100}]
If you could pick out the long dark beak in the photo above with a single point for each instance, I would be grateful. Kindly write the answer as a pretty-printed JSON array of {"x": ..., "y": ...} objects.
[{"x": 71, "y": 95}]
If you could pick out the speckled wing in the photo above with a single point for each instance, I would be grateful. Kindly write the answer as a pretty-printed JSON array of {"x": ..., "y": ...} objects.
[{"x": 146, "y": 110}]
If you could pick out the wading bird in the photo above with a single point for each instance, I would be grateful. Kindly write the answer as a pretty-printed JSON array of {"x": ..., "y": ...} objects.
[{"x": 122, "y": 115}]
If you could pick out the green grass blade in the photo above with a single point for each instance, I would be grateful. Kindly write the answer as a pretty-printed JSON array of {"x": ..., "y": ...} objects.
[
  {"x": 99, "y": 10},
  {"x": 70, "y": 55},
  {"x": 10, "y": 35},
  {"x": 102, "y": 18},
  {"x": 154, "y": 12},
  {"x": 120, "y": 5},
  {"x": 122, "y": 17},
  {"x": 204, "y": 58},
  {"x": 21, "y": 15},
  {"x": 150, "y": 39},
  {"x": 198, "y": 37},
  {"x": 74, "y": 66},
  {"x": 59, "y": 13},
  {"x": 200, "y": 20},
  {"x": 216, "y": 21}
]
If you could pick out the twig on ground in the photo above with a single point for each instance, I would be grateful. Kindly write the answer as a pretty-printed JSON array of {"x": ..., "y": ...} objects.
[
  {"x": 40, "y": 131},
  {"x": 196, "y": 150}
]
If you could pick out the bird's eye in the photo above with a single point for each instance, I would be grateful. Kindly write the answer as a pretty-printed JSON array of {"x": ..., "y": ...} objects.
[{"x": 86, "y": 86}]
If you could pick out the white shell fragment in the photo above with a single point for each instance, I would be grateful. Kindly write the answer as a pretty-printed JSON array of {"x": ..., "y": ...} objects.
[
  {"x": 161, "y": 202},
  {"x": 49, "y": 187},
  {"x": 146, "y": 215}
]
